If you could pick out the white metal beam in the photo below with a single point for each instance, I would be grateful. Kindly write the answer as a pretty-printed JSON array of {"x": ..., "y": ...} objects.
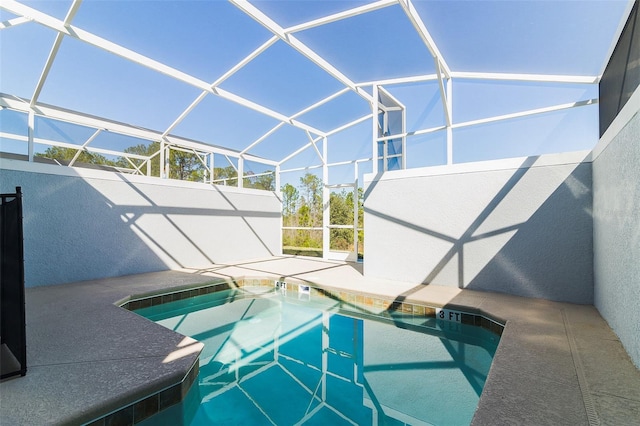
[
  {"x": 400, "y": 105},
  {"x": 186, "y": 112},
  {"x": 264, "y": 110},
  {"x": 69, "y": 30},
  {"x": 54, "y": 51},
  {"x": 250, "y": 57},
  {"x": 416, "y": 21},
  {"x": 199, "y": 146},
  {"x": 263, "y": 137},
  {"x": 338, "y": 163},
  {"x": 326, "y": 197},
  {"x": 298, "y": 151},
  {"x": 292, "y": 41},
  {"x": 19, "y": 104},
  {"x": 240, "y": 172},
  {"x": 449, "y": 111},
  {"x": 400, "y": 80},
  {"x": 442, "y": 69},
  {"x": 233, "y": 166},
  {"x": 84, "y": 145},
  {"x": 526, "y": 113},
  {"x": 413, "y": 133},
  {"x": 350, "y": 124},
  {"x": 50, "y": 142},
  {"x": 220, "y": 80},
  {"x": 313, "y": 144},
  {"x": 542, "y": 78},
  {"x": 320, "y": 103},
  {"x": 375, "y": 130},
  {"x": 31, "y": 131},
  {"x": 294, "y": 116},
  {"x": 48, "y": 111},
  {"x": 10, "y": 23},
  {"x": 341, "y": 15},
  {"x": 89, "y": 148},
  {"x": 299, "y": 169},
  {"x": 87, "y": 37},
  {"x": 445, "y": 97},
  {"x": 136, "y": 168},
  {"x": 494, "y": 119}
]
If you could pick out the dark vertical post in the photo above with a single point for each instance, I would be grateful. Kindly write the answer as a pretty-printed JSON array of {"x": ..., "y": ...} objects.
[{"x": 12, "y": 296}]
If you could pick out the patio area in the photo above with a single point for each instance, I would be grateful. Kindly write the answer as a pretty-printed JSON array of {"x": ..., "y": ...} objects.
[
  {"x": 480, "y": 157},
  {"x": 557, "y": 363}
]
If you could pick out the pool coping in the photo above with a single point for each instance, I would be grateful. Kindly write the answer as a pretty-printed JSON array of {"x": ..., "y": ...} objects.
[
  {"x": 551, "y": 358},
  {"x": 360, "y": 300}
]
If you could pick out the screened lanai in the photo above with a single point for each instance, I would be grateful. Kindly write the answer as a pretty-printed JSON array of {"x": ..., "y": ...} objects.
[
  {"x": 476, "y": 158},
  {"x": 287, "y": 95}
]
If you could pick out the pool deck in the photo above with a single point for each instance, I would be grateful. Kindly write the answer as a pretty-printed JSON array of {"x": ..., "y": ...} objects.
[{"x": 557, "y": 363}]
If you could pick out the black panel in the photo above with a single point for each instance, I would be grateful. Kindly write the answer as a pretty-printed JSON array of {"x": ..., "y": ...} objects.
[
  {"x": 632, "y": 75},
  {"x": 12, "y": 315},
  {"x": 622, "y": 75}
]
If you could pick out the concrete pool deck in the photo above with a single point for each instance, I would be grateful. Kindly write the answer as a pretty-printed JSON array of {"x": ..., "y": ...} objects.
[{"x": 557, "y": 363}]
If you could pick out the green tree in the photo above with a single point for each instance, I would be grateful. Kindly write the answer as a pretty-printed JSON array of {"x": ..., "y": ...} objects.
[
  {"x": 228, "y": 173},
  {"x": 304, "y": 216},
  {"x": 65, "y": 155},
  {"x": 341, "y": 213},
  {"x": 290, "y": 198},
  {"x": 360, "y": 216},
  {"x": 302, "y": 206},
  {"x": 185, "y": 166},
  {"x": 312, "y": 190},
  {"x": 266, "y": 182},
  {"x": 146, "y": 150},
  {"x": 182, "y": 165},
  {"x": 349, "y": 201}
]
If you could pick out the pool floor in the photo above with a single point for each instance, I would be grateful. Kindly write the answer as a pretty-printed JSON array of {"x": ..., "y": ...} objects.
[{"x": 279, "y": 360}]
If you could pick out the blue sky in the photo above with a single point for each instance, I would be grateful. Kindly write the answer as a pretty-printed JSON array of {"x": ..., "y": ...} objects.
[{"x": 206, "y": 38}]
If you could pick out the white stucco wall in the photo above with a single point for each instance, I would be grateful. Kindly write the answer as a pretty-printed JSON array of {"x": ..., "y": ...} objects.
[
  {"x": 518, "y": 226},
  {"x": 616, "y": 197},
  {"x": 83, "y": 224}
]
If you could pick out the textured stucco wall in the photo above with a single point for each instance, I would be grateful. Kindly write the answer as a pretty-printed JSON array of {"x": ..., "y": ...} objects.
[
  {"x": 616, "y": 198},
  {"x": 86, "y": 224},
  {"x": 518, "y": 226}
]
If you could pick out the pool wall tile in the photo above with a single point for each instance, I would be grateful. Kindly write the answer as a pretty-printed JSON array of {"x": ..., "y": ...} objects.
[
  {"x": 122, "y": 417},
  {"x": 191, "y": 378},
  {"x": 497, "y": 328},
  {"x": 170, "y": 396},
  {"x": 468, "y": 319},
  {"x": 350, "y": 301},
  {"x": 146, "y": 408}
]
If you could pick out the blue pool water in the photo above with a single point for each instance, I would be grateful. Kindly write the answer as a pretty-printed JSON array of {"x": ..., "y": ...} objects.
[{"x": 279, "y": 360}]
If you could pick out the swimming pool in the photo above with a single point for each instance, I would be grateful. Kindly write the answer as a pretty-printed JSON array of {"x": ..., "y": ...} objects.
[{"x": 272, "y": 357}]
